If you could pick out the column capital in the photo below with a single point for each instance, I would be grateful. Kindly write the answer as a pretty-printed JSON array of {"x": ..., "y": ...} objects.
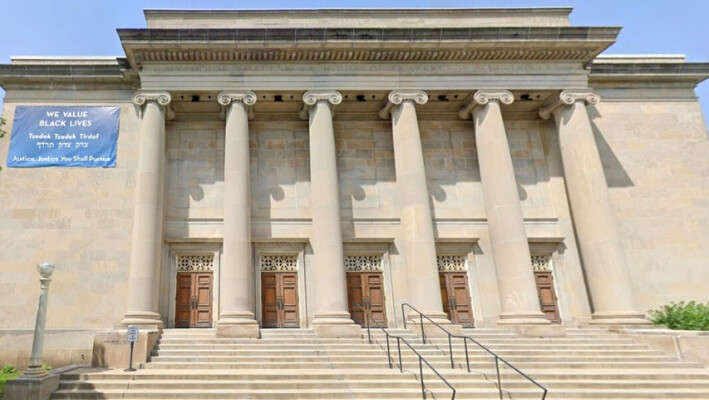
[
  {"x": 569, "y": 97},
  {"x": 483, "y": 97},
  {"x": 396, "y": 97},
  {"x": 163, "y": 98},
  {"x": 312, "y": 97},
  {"x": 227, "y": 98}
]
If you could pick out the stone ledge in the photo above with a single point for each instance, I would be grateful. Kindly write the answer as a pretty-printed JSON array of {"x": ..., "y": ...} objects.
[{"x": 685, "y": 345}]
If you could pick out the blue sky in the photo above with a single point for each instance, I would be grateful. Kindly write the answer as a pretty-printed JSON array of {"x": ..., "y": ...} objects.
[{"x": 88, "y": 27}]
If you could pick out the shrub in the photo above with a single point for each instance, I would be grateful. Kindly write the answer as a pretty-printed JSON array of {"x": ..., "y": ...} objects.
[
  {"x": 690, "y": 316},
  {"x": 8, "y": 369}
]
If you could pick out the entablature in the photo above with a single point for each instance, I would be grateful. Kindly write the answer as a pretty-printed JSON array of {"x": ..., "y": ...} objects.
[{"x": 580, "y": 44}]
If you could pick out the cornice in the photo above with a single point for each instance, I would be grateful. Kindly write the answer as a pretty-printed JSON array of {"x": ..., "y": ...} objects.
[
  {"x": 483, "y": 97},
  {"x": 569, "y": 97},
  {"x": 331, "y": 97},
  {"x": 693, "y": 73},
  {"x": 396, "y": 97},
  {"x": 110, "y": 71},
  {"x": 366, "y": 44}
]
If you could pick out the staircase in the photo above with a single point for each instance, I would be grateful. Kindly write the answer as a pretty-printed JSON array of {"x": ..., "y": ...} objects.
[{"x": 295, "y": 364}]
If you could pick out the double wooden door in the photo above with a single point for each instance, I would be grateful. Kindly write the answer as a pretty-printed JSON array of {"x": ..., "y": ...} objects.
[
  {"x": 547, "y": 295},
  {"x": 193, "y": 308},
  {"x": 367, "y": 290},
  {"x": 279, "y": 300},
  {"x": 455, "y": 296}
]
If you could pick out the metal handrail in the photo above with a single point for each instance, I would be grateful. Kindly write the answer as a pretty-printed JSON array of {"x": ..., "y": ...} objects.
[
  {"x": 400, "y": 339},
  {"x": 467, "y": 357}
]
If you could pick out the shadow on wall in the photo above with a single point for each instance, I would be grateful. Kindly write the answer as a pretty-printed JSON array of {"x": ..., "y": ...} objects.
[{"x": 616, "y": 176}]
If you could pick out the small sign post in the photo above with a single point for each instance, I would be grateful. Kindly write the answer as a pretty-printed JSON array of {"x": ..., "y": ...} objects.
[{"x": 132, "y": 338}]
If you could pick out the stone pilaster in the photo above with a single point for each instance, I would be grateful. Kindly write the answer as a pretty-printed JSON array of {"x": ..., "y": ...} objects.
[
  {"x": 601, "y": 250},
  {"x": 416, "y": 218},
  {"x": 332, "y": 317},
  {"x": 236, "y": 316},
  {"x": 510, "y": 247},
  {"x": 146, "y": 248}
]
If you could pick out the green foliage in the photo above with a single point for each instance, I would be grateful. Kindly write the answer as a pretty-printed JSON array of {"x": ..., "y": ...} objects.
[
  {"x": 8, "y": 372},
  {"x": 46, "y": 367},
  {"x": 8, "y": 369},
  {"x": 691, "y": 316}
]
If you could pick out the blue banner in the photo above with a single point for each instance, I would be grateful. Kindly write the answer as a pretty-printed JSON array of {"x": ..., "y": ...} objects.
[{"x": 59, "y": 136}]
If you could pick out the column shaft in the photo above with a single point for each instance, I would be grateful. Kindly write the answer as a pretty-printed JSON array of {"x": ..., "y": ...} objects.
[
  {"x": 332, "y": 316},
  {"x": 601, "y": 249},
  {"x": 236, "y": 317},
  {"x": 415, "y": 208},
  {"x": 510, "y": 247},
  {"x": 147, "y": 238}
]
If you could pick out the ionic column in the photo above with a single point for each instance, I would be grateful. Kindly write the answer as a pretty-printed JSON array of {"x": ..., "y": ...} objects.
[
  {"x": 236, "y": 316},
  {"x": 146, "y": 245},
  {"x": 601, "y": 250},
  {"x": 332, "y": 318},
  {"x": 416, "y": 219},
  {"x": 510, "y": 248}
]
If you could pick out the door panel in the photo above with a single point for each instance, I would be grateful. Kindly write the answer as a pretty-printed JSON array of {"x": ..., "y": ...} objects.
[
  {"x": 375, "y": 297},
  {"x": 203, "y": 312},
  {"x": 547, "y": 296},
  {"x": 193, "y": 300},
  {"x": 354, "y": 296},
  {"x": 279, "y": 300},
  {"x": 455, "y": 295},
  {"x": 289, "y": 300},
  {"x": 269, "y": 306},
  {"x": 366, "y": 289}
]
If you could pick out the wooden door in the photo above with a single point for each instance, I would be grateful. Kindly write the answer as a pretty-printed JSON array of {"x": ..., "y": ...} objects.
[
  {"x": 193, "y": 300},
  {"x": 455, "y": 296},
  {"x": 279, "y": 300},
  {"x": 547, "y": 295},
  {"x": 367, "y": 290}
]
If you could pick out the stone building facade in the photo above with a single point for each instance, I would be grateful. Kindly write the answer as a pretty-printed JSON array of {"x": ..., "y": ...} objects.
[{"x": 275, "y": 168}]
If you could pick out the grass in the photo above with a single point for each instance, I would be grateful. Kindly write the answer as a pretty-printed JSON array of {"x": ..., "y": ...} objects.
[{"x": 4, "y": 377}]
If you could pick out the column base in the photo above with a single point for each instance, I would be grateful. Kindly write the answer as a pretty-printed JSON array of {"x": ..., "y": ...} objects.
[
  {"x": 619, "y": 318},
  {"x": 27, "y": 387},
  {"x": 237, "y": 324},
  {"x": 529, "y": 318},
  {"x": 336, "y": 325},
  {"x": 413, "y": 322},
  {"x": 144, "y": 319}
]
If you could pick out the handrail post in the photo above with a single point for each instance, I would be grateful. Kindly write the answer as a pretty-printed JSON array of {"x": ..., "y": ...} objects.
[
  {"x": 388, "y": 349},
  {"x": 403, "y": 314},
  {"x": 398, "y": 347},
  {"x": 369, "y": 334},
  {"x": 499, "y": 381},
  {"x": 450, "y": 349},
  {"x": 423, "y": 387},
  {"x": 467, "y": 357},
  {"x": 423, "y": 333}
]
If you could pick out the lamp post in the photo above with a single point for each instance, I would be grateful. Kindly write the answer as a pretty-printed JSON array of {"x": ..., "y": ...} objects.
[{"x": 35, "y": 366}]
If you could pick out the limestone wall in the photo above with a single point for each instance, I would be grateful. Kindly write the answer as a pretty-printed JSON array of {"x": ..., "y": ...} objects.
[
  {"x": 656, "y": 159},
  {"x": 80, "y": 218}
]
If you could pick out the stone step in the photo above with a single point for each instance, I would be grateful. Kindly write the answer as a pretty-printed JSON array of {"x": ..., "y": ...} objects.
[
  {"x": 397, "y": 380},
  {"x": 408, "y": 355},
  {"x": 523, "y": 365},
  {"x": 701, "y": 374},
  {"x": 349, "y": 392},
  {"x": 188, "y": 351}
]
